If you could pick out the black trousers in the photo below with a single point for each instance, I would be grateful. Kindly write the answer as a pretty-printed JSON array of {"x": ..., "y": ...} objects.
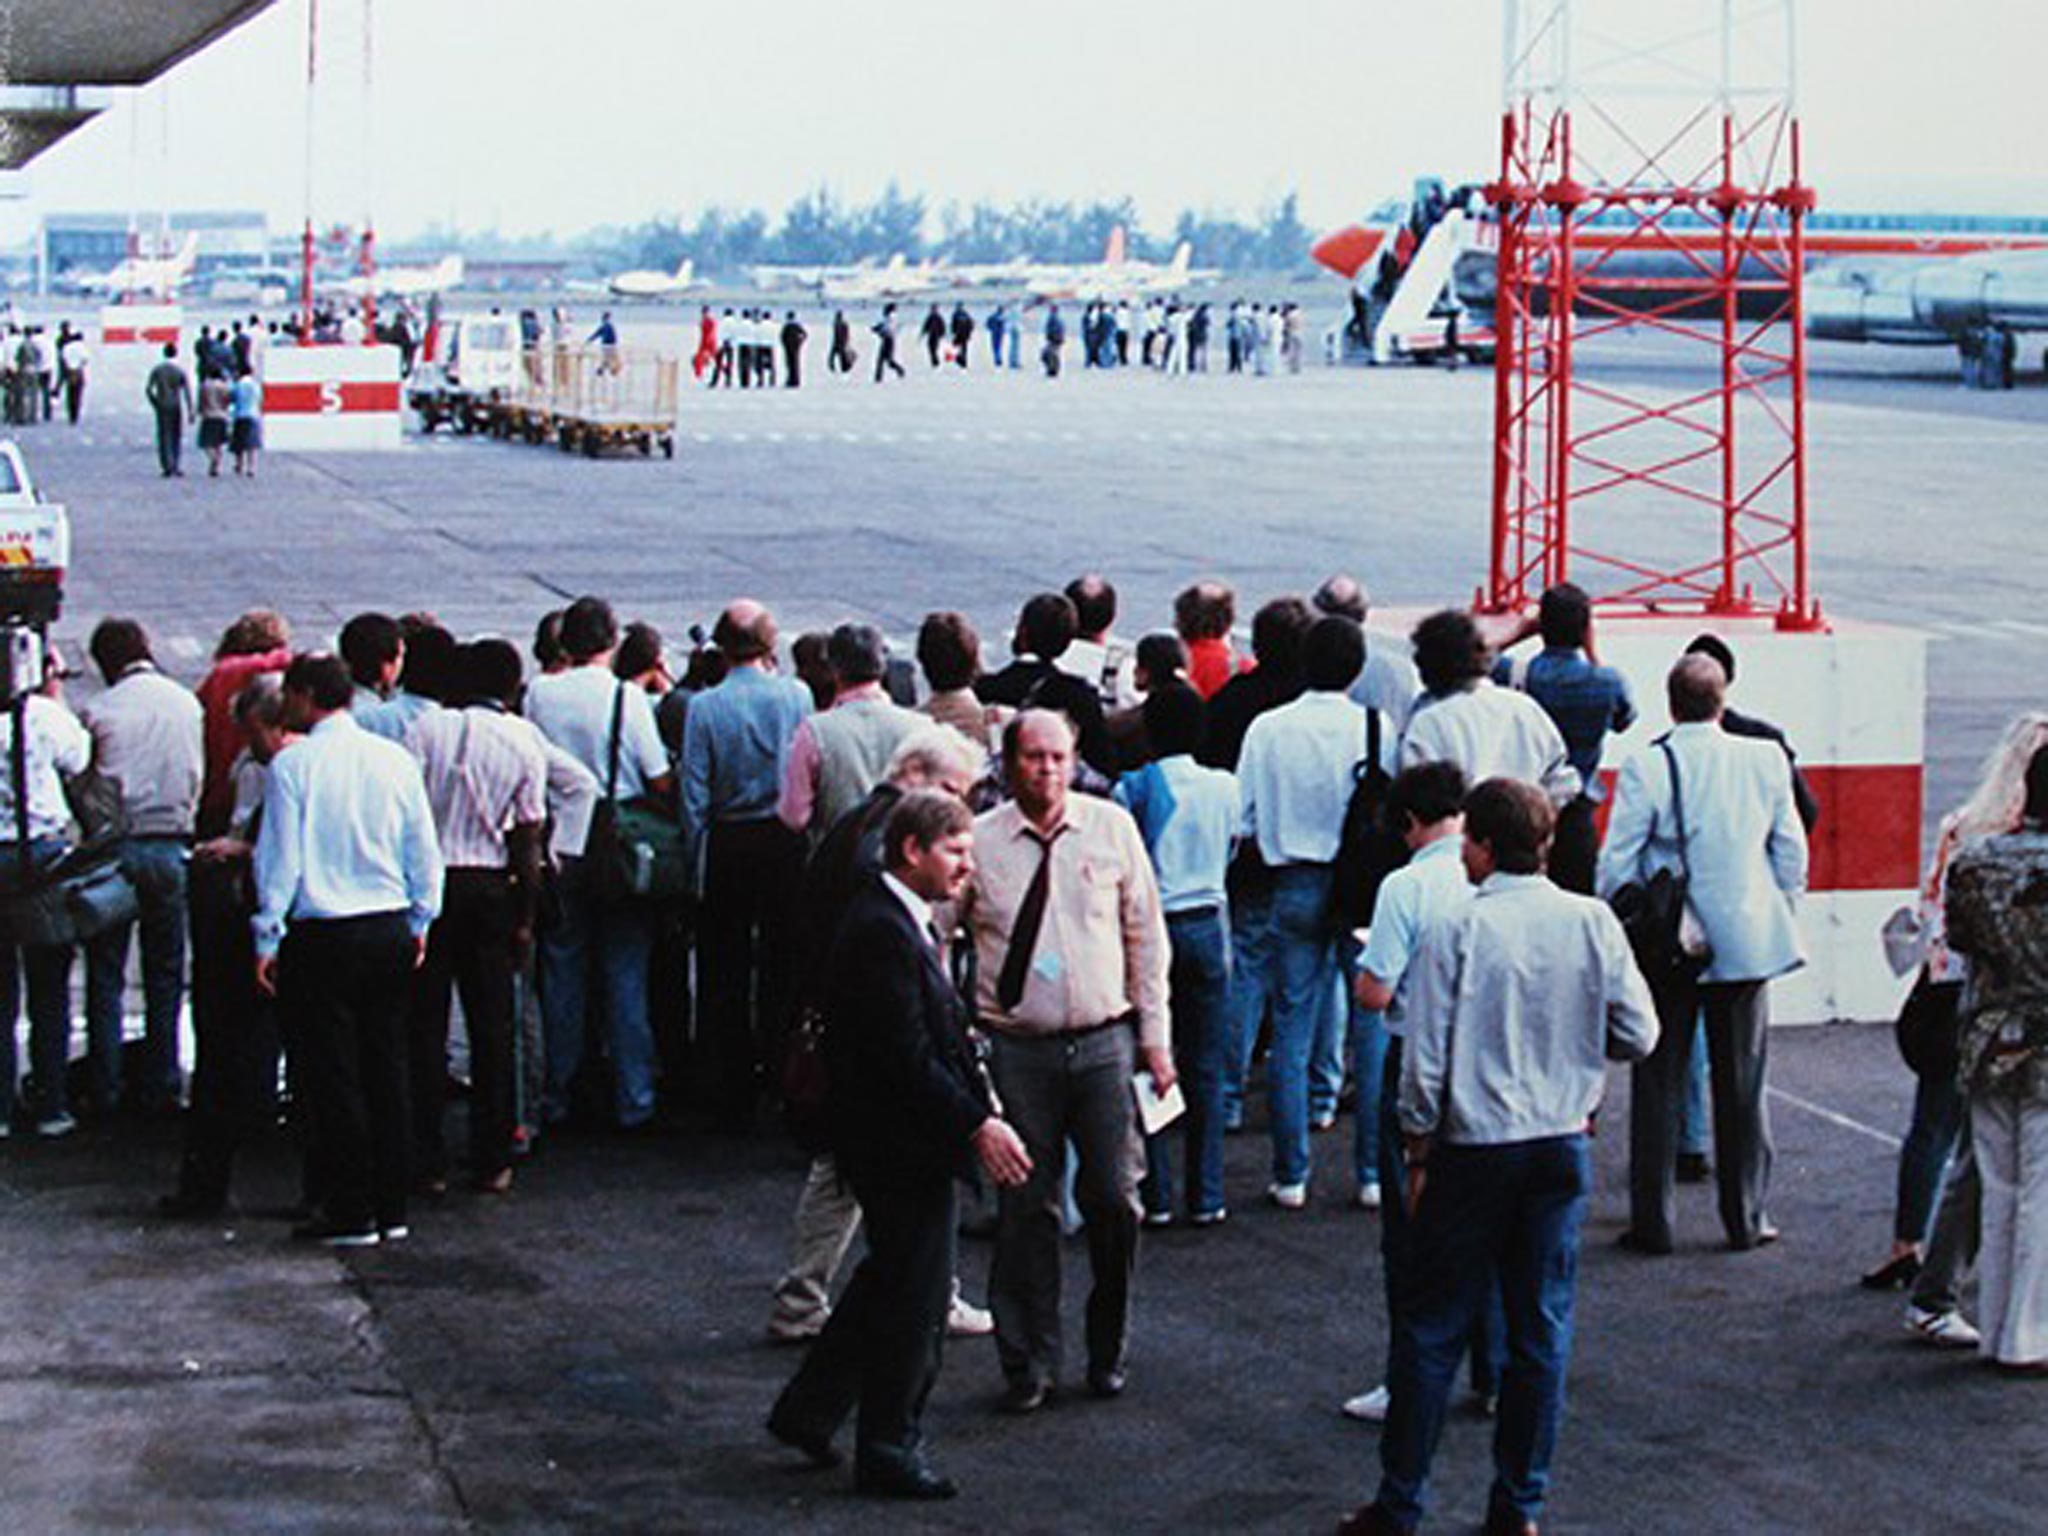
[
  {"x": 885, "y": 357},
  {"x": 170, "y": 435},
  {"x": 470, "y": 948},
  {"x": 747, "y": 954},
  {"x": 1575, "y": 847},
  {"x": 882, "y": 1344},
  {"x": 234, "y": 1028},
  {"x": 343, "y": 984},
  {"x": 792, "y": 365}
]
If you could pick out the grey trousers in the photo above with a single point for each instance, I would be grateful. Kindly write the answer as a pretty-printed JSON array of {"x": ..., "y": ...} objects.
[
  {"x": 1737, "y": 1019},
  {"x": 1054, "y": 1089},
  {"x": 827, "y": 1216}
]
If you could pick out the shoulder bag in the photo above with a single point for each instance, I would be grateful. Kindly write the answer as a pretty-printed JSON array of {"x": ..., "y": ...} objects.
[
  {"x": 635, "y": 850},
  {"x": 1655, "y": 913}
]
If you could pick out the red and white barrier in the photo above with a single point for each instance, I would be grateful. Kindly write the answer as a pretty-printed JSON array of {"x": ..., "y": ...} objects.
[
  {"x": 141, "y": 325},
  {"x": 1853, "y": 704},
  {"x": 331, "y": 397}
]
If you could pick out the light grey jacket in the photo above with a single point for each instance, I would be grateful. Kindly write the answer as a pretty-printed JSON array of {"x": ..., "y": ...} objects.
[{"x": 1746, "y": 849}]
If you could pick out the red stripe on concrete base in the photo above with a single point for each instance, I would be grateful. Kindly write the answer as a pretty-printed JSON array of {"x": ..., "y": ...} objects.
[
  {"x": 331, "y": 398},
  {"x": 1868, "y": 836}
]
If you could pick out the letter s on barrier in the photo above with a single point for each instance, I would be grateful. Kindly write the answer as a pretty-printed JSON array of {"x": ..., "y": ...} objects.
[{"x": 330, "y": 397}]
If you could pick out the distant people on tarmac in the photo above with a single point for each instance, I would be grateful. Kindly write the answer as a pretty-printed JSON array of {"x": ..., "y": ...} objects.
[
  {"x": 934, "y": 332},
  {"x": 793, "y": 338},
  {"x": 169, "y": 393},
  {"x": 885, "y": 343}
]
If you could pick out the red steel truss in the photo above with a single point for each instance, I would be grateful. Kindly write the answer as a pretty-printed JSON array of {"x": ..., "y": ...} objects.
[{"x": 1670, "y": 476}]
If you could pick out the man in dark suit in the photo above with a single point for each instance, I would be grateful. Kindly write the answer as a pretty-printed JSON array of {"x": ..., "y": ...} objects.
[{"x": 910, "y": 1114}]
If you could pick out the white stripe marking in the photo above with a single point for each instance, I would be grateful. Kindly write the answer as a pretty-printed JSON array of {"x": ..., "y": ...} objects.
[{"x": 1834, "y": 1117}]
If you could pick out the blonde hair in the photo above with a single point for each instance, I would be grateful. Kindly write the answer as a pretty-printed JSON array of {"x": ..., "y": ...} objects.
[{"x": 1998, "y": 803}]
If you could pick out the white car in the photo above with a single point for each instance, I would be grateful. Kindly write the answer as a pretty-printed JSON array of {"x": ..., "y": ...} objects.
[{"x": 17, "y": 485}]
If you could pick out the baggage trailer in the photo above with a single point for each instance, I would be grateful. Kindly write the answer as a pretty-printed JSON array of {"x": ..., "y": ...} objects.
[{"x": 592, "y": 399}]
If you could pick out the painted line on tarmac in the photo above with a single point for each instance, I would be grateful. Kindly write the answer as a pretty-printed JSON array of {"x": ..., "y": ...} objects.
[
  {"x": 1835, "y": 1117},
  {"x": 2021, "y": 627}
]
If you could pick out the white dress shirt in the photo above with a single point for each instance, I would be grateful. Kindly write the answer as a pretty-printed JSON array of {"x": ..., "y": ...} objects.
[
  {"x": 57, "y": 746},
  {"x": 1492, "y": 732},
  {"x": 347, "y": 832},
  {"x": 574, "y": 710},
  {"x": 148, "y": 735},
  {"x": 1295, "y": 775}
]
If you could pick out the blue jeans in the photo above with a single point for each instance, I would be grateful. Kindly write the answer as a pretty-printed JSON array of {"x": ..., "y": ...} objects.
[
  {"x": 1397, "y": 1233},
  {"x": 1694, "y": 1125},
  {"x": 1368, "y": 1067},
  {"x": 1332, "y": 1044},
  {"x": 607, "y": 945},
  {"x": 155, "y": 866},
  {"x": 1938, "y": 1111},
  {"x": 1200, "y": 987},
  {"x": 49, "y": 1025},
  {"x": 1513, "y": 1209},
  {"x": 1252, "y": 948},
  {"x": 1303, "y": 965}
]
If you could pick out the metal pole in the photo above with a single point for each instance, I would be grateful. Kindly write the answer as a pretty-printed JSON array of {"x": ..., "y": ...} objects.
[
  {"x": 1805, "y": 615},
  {"x": 306, "y": 241},
  {"x": 369, "y": 260}
]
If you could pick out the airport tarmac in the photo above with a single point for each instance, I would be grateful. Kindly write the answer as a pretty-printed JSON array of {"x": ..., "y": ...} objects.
[{"x": 585, "y": 1354}]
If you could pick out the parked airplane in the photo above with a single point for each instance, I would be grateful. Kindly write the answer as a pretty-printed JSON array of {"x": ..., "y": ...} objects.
[
  {"x": 1929, "y": 278},
  {"x": 644, "y": 284},
  {"x": 142, "y": 276},
  {"x": 1118, "y": 275},
  {"x": 406, "y": 282},
  {"x": 895, "y": 279}
]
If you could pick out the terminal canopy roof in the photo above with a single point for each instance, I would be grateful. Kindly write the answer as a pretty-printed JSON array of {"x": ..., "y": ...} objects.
[{"x": 57, "y": 57}]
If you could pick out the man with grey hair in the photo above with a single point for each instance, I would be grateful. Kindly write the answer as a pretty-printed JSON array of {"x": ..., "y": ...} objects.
[
  {"x": 837, "y": 756},
  {"x": 1388, "y": 682},
  {"x": 1717, "y": 809},
  {"x": 827, "y": 1214}
]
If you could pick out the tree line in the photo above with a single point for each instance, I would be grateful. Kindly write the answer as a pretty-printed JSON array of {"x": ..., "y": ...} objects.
[{"x": 819, "y": 229}]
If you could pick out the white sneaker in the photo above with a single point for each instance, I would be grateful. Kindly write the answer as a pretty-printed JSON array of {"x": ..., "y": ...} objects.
[
  {"x": 1368, "y": 1407},
  {"x": 964, "y": 1320},
  {"x": 1948, "y": 1330},
  {"x": 792, "y": 1328},
  {"x": 1368, "y": 1197},
  {"x": 54, "y": 1126},
  {"x": 1289, "y": 1197}
]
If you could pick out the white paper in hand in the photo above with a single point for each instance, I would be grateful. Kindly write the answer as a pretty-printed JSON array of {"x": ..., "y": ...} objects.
[{"x": 1156, "y": 1110}]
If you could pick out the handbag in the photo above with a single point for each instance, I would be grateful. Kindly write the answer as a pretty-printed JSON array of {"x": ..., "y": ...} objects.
[
  {"x": 1669, "y": 944},
  {"x": 1929, "y": 1027},
  {"x": 636, "y": 850}
]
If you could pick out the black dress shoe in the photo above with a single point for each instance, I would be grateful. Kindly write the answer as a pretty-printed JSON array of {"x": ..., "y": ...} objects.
[
  {"x": 912, "y": 1479},
  {"x": 1633, "y": 1241},
  {"x": 1693, "y": 1168},
  {"x": 1109, "y": 1383},
  {"x": 1892, "y": 1275},
  {"x": 1370, "y": 1520},
  {"x": 1026, "y": 1394},
  {"x": 816, "y": 1448}
]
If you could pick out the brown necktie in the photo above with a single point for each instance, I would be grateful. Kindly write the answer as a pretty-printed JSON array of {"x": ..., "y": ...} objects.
[{"x": 1024, "y": 936}]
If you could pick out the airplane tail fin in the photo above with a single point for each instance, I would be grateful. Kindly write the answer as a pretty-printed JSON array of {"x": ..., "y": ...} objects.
[
  {"x": 1183, "y": 254},
  {"x": 1113, "y": 248},
  {"x": 685, "y": 270},
  {"x": 450, "y": 273}
]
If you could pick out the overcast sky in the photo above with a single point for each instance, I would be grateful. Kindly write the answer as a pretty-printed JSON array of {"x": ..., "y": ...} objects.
[{"x": 537, "y": 114}]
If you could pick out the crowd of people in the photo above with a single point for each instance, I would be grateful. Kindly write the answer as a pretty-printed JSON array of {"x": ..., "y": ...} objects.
[
  {"x": 38, "y": 371},
  {"x": 228, "y": 404},
  {"x": 745, "y": 348},
  {"x": 940, "y": 919}
]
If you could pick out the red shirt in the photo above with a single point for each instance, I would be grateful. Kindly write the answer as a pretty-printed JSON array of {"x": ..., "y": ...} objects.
[
  {"x": 1211, "y": 664},
  {"x": 224, "y": 738}
]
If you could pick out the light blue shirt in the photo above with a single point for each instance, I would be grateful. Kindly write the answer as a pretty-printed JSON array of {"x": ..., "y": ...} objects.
[
  {"x": 1514, "y": 1009},
  {"x": 347, "y": 832},
  {"x": 1295, "y": 774},
  {"x": 1188, "y": 816},
  {"x": 736, "y": 742},
  {"x": 390, "y": 718},
  {"x": 1429, "y": 889}
]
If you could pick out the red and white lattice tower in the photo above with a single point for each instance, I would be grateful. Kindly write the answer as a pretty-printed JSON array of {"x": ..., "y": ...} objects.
[{"x": 1650, "y": 188}]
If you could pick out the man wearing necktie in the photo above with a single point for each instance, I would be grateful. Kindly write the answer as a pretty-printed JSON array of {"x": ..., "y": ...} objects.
[{"x": 1071, "y": 985}]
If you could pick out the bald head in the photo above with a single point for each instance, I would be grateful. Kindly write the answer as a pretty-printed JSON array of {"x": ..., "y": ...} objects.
[
  {"x": 745, "y": 631},
  {"x": 1342, "y": 597},
  {"x": 1698, "y": 689}
]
